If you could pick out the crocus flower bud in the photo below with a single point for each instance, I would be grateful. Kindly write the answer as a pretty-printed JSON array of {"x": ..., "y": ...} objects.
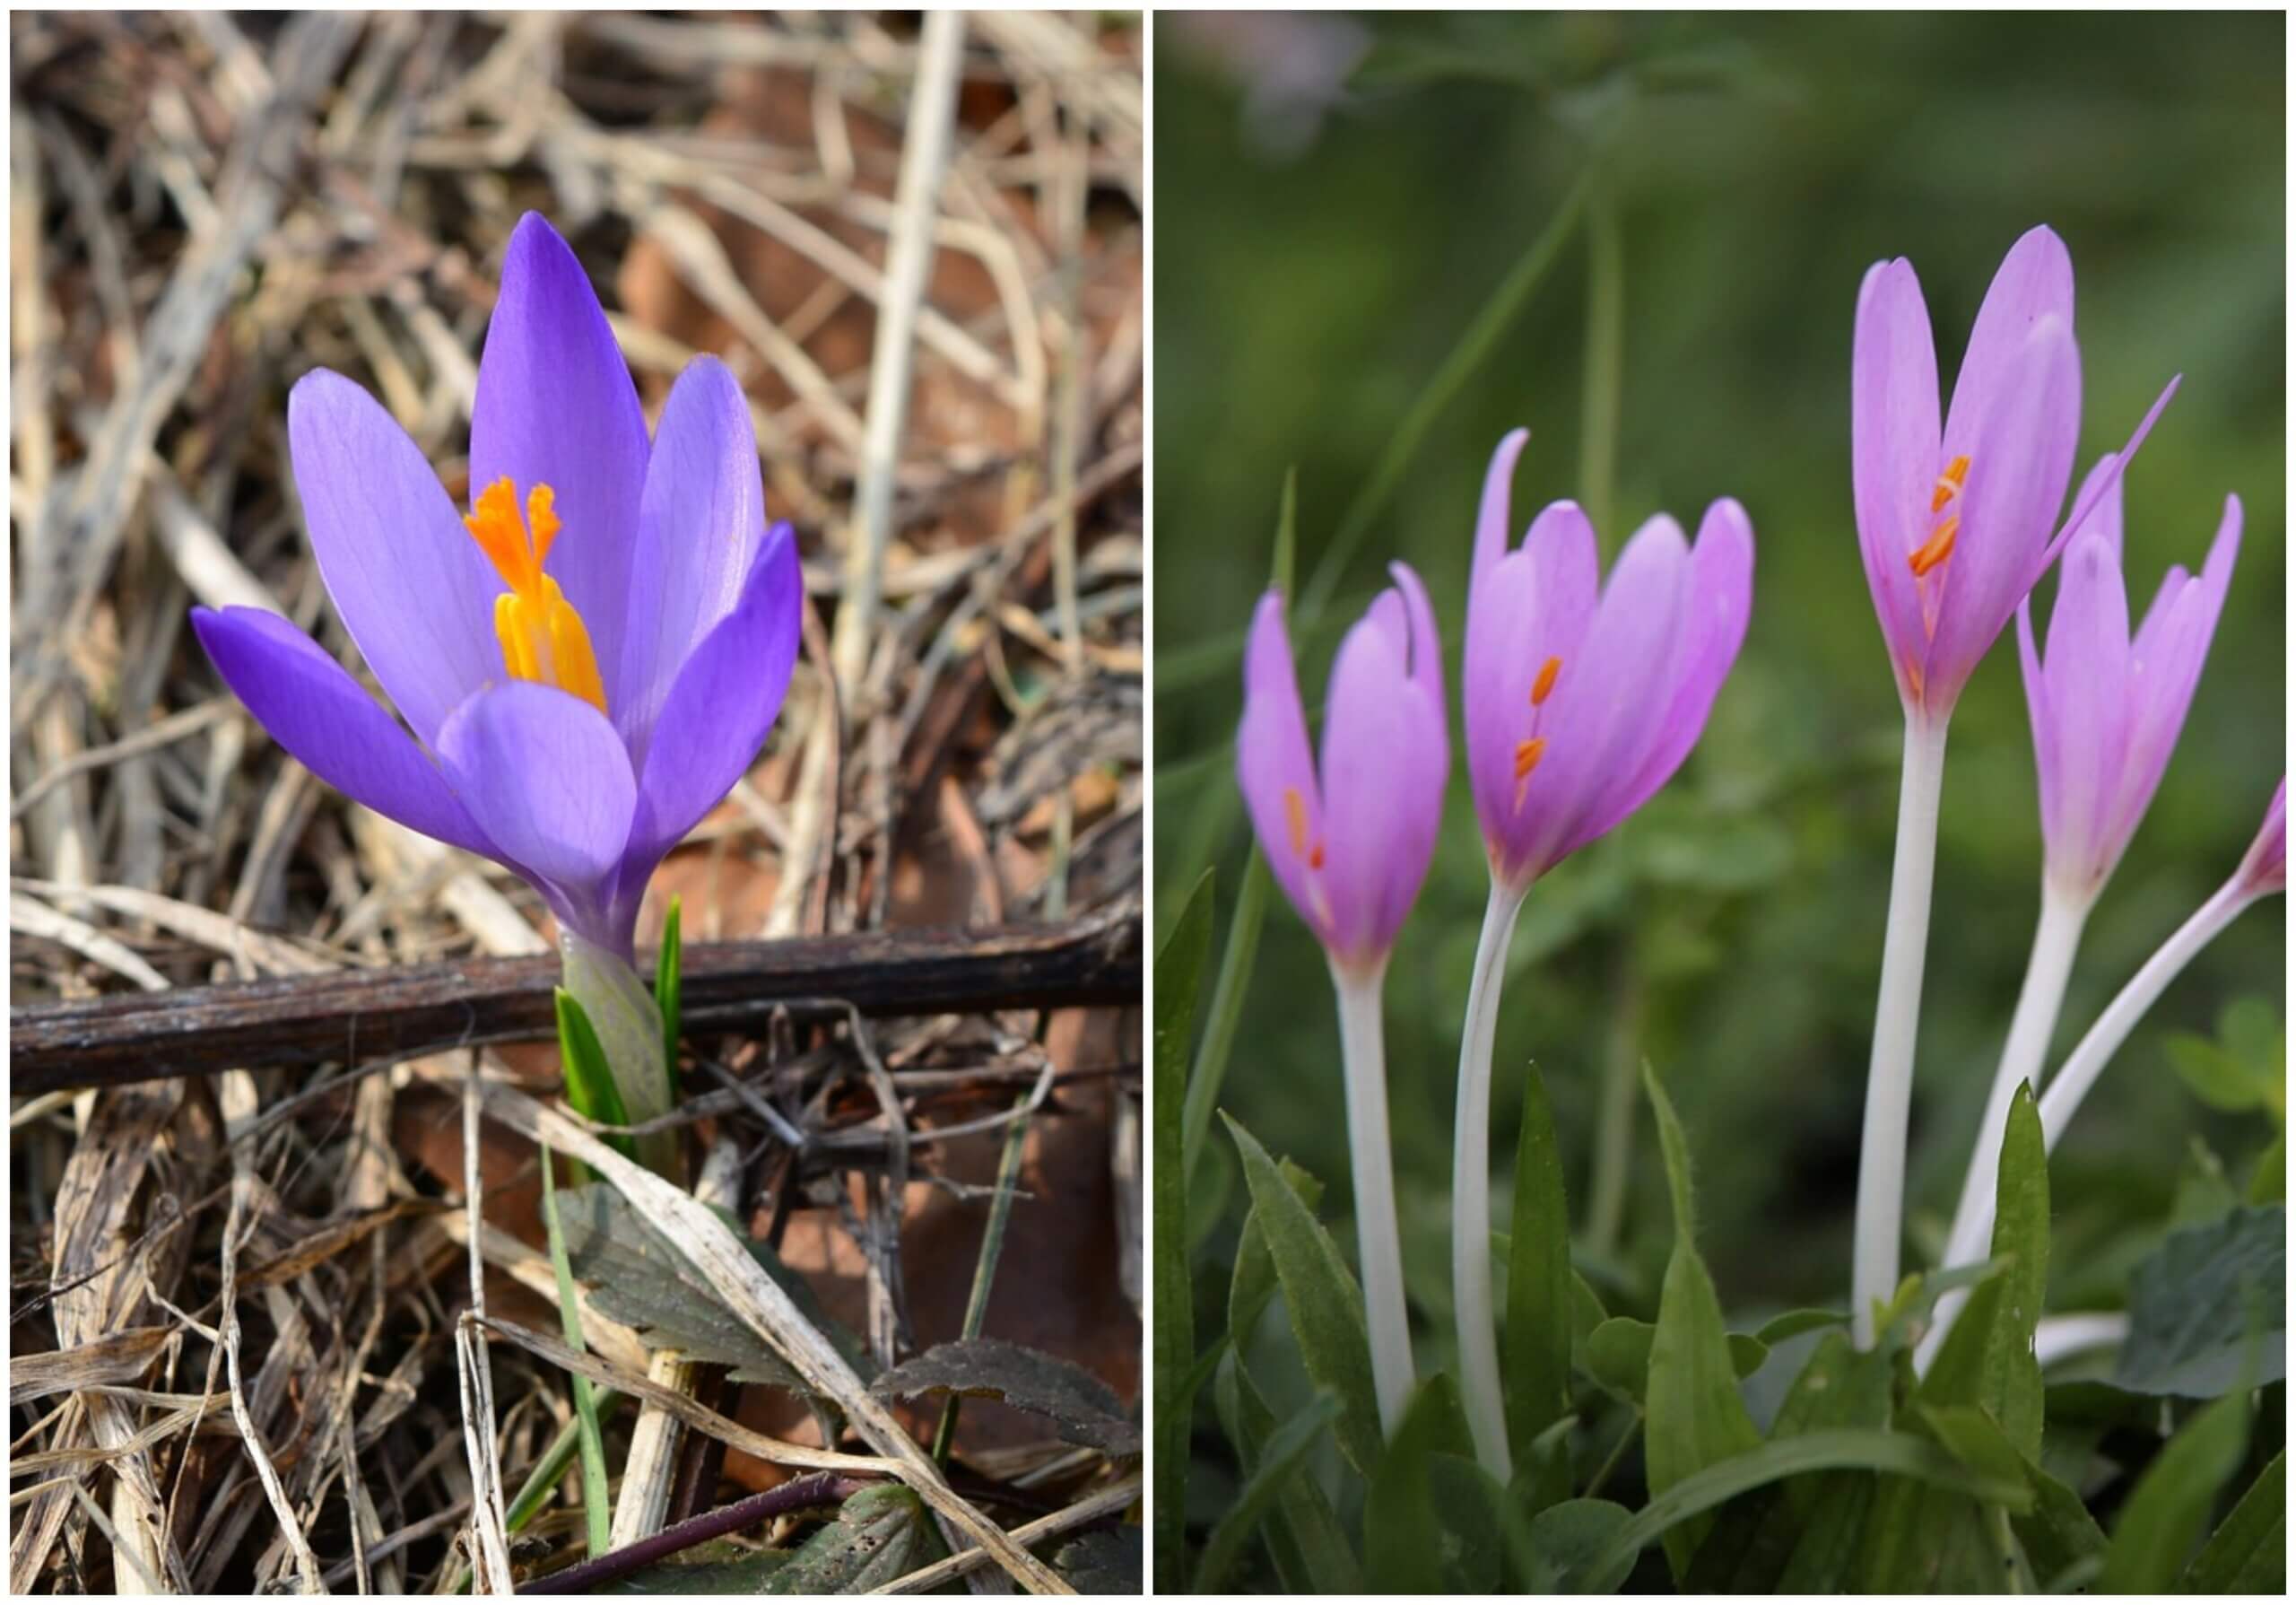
[
  {"x": 1579, "y": 706},
  {"x": 2264, "y": 870},
  {"x": 1350, "y": 844},
  {"x": 2105, "y": 708},
  {"x": 1954, "y": 523}
]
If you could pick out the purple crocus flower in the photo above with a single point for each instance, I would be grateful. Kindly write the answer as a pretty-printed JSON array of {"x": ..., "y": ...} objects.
[
  {"x": 580, "y": 685},
  {"x": 2264, "y": 868},
  {"x": 1349, "y": 844},
  {"x": 1579, "y": 706},
  {"x": 2106, "y": 709},
  {"x": 1954, "y": 524}
]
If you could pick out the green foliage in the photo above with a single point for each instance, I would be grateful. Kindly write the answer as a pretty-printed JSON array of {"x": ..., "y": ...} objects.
[
  {"x": 1539, "y": 1295},
  {"x": 2248, "y": 1554},
  {"x": 1279, "y": 1460},
  {"x": 1320, "y": 1293},
  {"x": 1311, "y": 1551},
  {"x": 1416, "y": 1539},
  {"x": 598, "y": 1507},
  {"x": 1179, "y": 972},
  {"x": 589, "y": 1081},
  {"x": 1986, "y": 1362},
  {"x": 669, "y": 985},
  {"x": 2201, "y": 1304},
  {"x": 2244, "y": 1068},
  {"x": 2169, "y": 1509}
]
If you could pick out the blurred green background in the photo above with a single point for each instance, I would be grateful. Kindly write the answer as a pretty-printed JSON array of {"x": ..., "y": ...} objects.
[{"x": 1333, "y": 203}]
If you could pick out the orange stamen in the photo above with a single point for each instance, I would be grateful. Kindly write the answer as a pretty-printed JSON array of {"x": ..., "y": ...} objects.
[
  {"x": 1543, "y": 686},
  {"x": 1949, "y": 484},
  {"x": 1527, "y": 755},
  {"x": 542, "y": 635},
  {"x": 1295, "y": 821},
  {"x": 1937, "y": 548}
]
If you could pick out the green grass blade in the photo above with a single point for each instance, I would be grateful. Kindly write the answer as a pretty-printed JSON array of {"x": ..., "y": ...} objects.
[
  {"x": 590, "y": 1086},
  {"x": 598, "y": 1507},
  {"x": 668, "y": 983},
  {"x": 1281, "y": 1459}
]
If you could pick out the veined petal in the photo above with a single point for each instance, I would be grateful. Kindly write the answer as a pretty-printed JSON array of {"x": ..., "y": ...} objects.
[
  {"x": 556, "y": 405},
  {"x": 2016, "y": 482},
  {"x": 725, "y": 700},
  {"x": 1566, "y": 581},
  {"x": 1603, "y": 715},
  {"x": 1494, "y": 689},
  {"x": 313, "y": 709},
  {"x": 413, "y": 590},
  {"x": 2086, "y": 670},
  {"x": 1378, "y": 822},
  {"x": 700, "y": 523},
  {"x": 2034, "y": 284},
  {"x": 1276, "y": 770},
  {"x": 1893, "y": 449},
  {"x": 1717, "y": 602},
  {"x": 1492, "y": 534},
  {"x": 544, "y": 775}
]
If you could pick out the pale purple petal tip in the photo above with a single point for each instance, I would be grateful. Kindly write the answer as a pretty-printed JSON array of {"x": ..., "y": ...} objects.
[
  {"x": 2265, "y": 867},
  {"x": 1492, "y": 534}
]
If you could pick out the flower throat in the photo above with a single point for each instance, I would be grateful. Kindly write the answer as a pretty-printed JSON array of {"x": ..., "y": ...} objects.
[{"x": 542, "y": 637}]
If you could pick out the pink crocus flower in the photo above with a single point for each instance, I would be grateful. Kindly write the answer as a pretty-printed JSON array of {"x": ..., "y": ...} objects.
[
  {"x": 1579, "y": 706},
  {"x": 1350, "y": 844},
  {"x": 2264, "y": 870},
  {"x": 2106, "y": 709},
  {"x": 1954, "y": 522}
]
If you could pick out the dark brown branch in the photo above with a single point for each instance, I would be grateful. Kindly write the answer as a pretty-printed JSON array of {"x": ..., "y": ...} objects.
[
  {"x": 353, "y": 1016},
  {"x": 807, "y": 1493}
]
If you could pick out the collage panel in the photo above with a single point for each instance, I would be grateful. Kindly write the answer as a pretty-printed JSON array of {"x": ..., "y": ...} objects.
[
  {"x": 1637, "y": 1107},
  {"x": 578, "y": 802}
]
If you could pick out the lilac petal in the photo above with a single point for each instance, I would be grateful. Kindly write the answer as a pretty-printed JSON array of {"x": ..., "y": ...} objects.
[
  {"x": 1380, "y": 819},
  {"x": 545, "y": 777},
  {"x": 2086, "y": 670},
  {"x": 2264, "y": 868},
  {"x": 556, "y": 405},
  {"x": 2042, "y": 714},
  {"x": 412, "y": 587},
  {"x": 1494, "y": 683},
  {"x": 2105, "y": 479},
  {"x": 2099, "y": 493},
  {"x": 1423, "y": 647},
  {"x": 2164, "y": 670},
  {"x": 700, "y": 522},
  {"x": 2033, "y": 285},
  {"x": 314, "y": 710},
  {"x": 1566, "y": 576},
  {"x": 2018, "y": 469},
  {"x": 724, "y": 702},
  {"x": 1600, "y": 718},
  {"x": 1893, "y": 449},
  {"x": 1273, "y": 761},
  {"x": 1718, "y": 602},
  {"x": 1490, "y": 531}
]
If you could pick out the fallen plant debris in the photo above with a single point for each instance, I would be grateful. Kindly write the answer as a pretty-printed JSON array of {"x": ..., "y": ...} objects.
[{"x": 285, "y": 1312}]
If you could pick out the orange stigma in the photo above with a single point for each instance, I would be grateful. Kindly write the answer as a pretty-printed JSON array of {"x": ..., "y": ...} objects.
[
  {"x": 1543, "y": 686},
  {"x": 1937, "y": 548},
  {"x": 1949, "y": 484},
  {"x": 542, "y": 637}
]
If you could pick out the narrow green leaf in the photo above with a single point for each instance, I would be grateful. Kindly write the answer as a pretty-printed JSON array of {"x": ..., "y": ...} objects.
[
  {"x": 1987, "y": 1360},
  {"x": 2169, "y": 1508},
  {"x": 1281, "y": 1459},
  {"x": 597, "y": 1506},
  {"x": 1538, "y": 1279},
  {"x": 2269, "y": 1182},
  {"x": 1696, "y": 1418},
  {"x": 2248, "y": 1552},
  {"x": 1405, "y": 1531},
  {"x": 1902, "y": 1454},
  {"x": 1570, "y": 1536},
  {"x": 589, "y": 1082},
  {"x": 1312, "y": 1552},
  {"x": 1321, "y": 1295},
  {"x": 1792, "y": 1323},
  {"x": 1180, "y": 972},
  {"x": 669, "y": 983},
  {"x": 2058, "y": 1534}
]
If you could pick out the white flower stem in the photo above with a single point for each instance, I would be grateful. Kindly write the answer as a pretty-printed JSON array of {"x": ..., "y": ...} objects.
[
  {"x": 1486, "y": 1403},
  {"x": 1378, "y": 1246},
  {"x": 2055, "y": 938},
  {"x": 1897, "y": 1012},
  {"x": 628, "y": 1028},
  {"x": 2079, "y": 1073}
]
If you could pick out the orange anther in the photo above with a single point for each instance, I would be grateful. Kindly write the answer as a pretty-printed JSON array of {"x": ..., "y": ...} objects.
[
  {"x": 1543, "y": 686},
  {"x": 1527, "y": 755},
  {"x": 1937, "y": 548},
  {"x": 1949, "y": 484}
]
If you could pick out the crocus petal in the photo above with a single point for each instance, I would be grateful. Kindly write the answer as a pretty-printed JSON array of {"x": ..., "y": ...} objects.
[
  {"x": 544, "y": 775},
  {"x": 2100, "y": 496},
  {"x": 314, "y": 710},
  {"x": 1502, "y": 634},
  {"x": 1378, "y": 822},
  {"x": 556, "y": 405},
  {"x": 1566, "y": 577},
  {"x": 2265, "y": 866},
  {"x": 1275, "y": 764},
  {"x": 700, "y": 522},
  {"x": 2086, "y": 669},
  {"x": 412, "y": 587},
  {"x": 1601, "y": 715},
  {"x": 724, "y": 702},
  {"x": 2034, "y": 284},
  {"x": 1719, "y": 601},
  {"x": 2019, "y": 462},
  {"x": 1490, "y": 531},
  {"x": 1894, "y": 447}
]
